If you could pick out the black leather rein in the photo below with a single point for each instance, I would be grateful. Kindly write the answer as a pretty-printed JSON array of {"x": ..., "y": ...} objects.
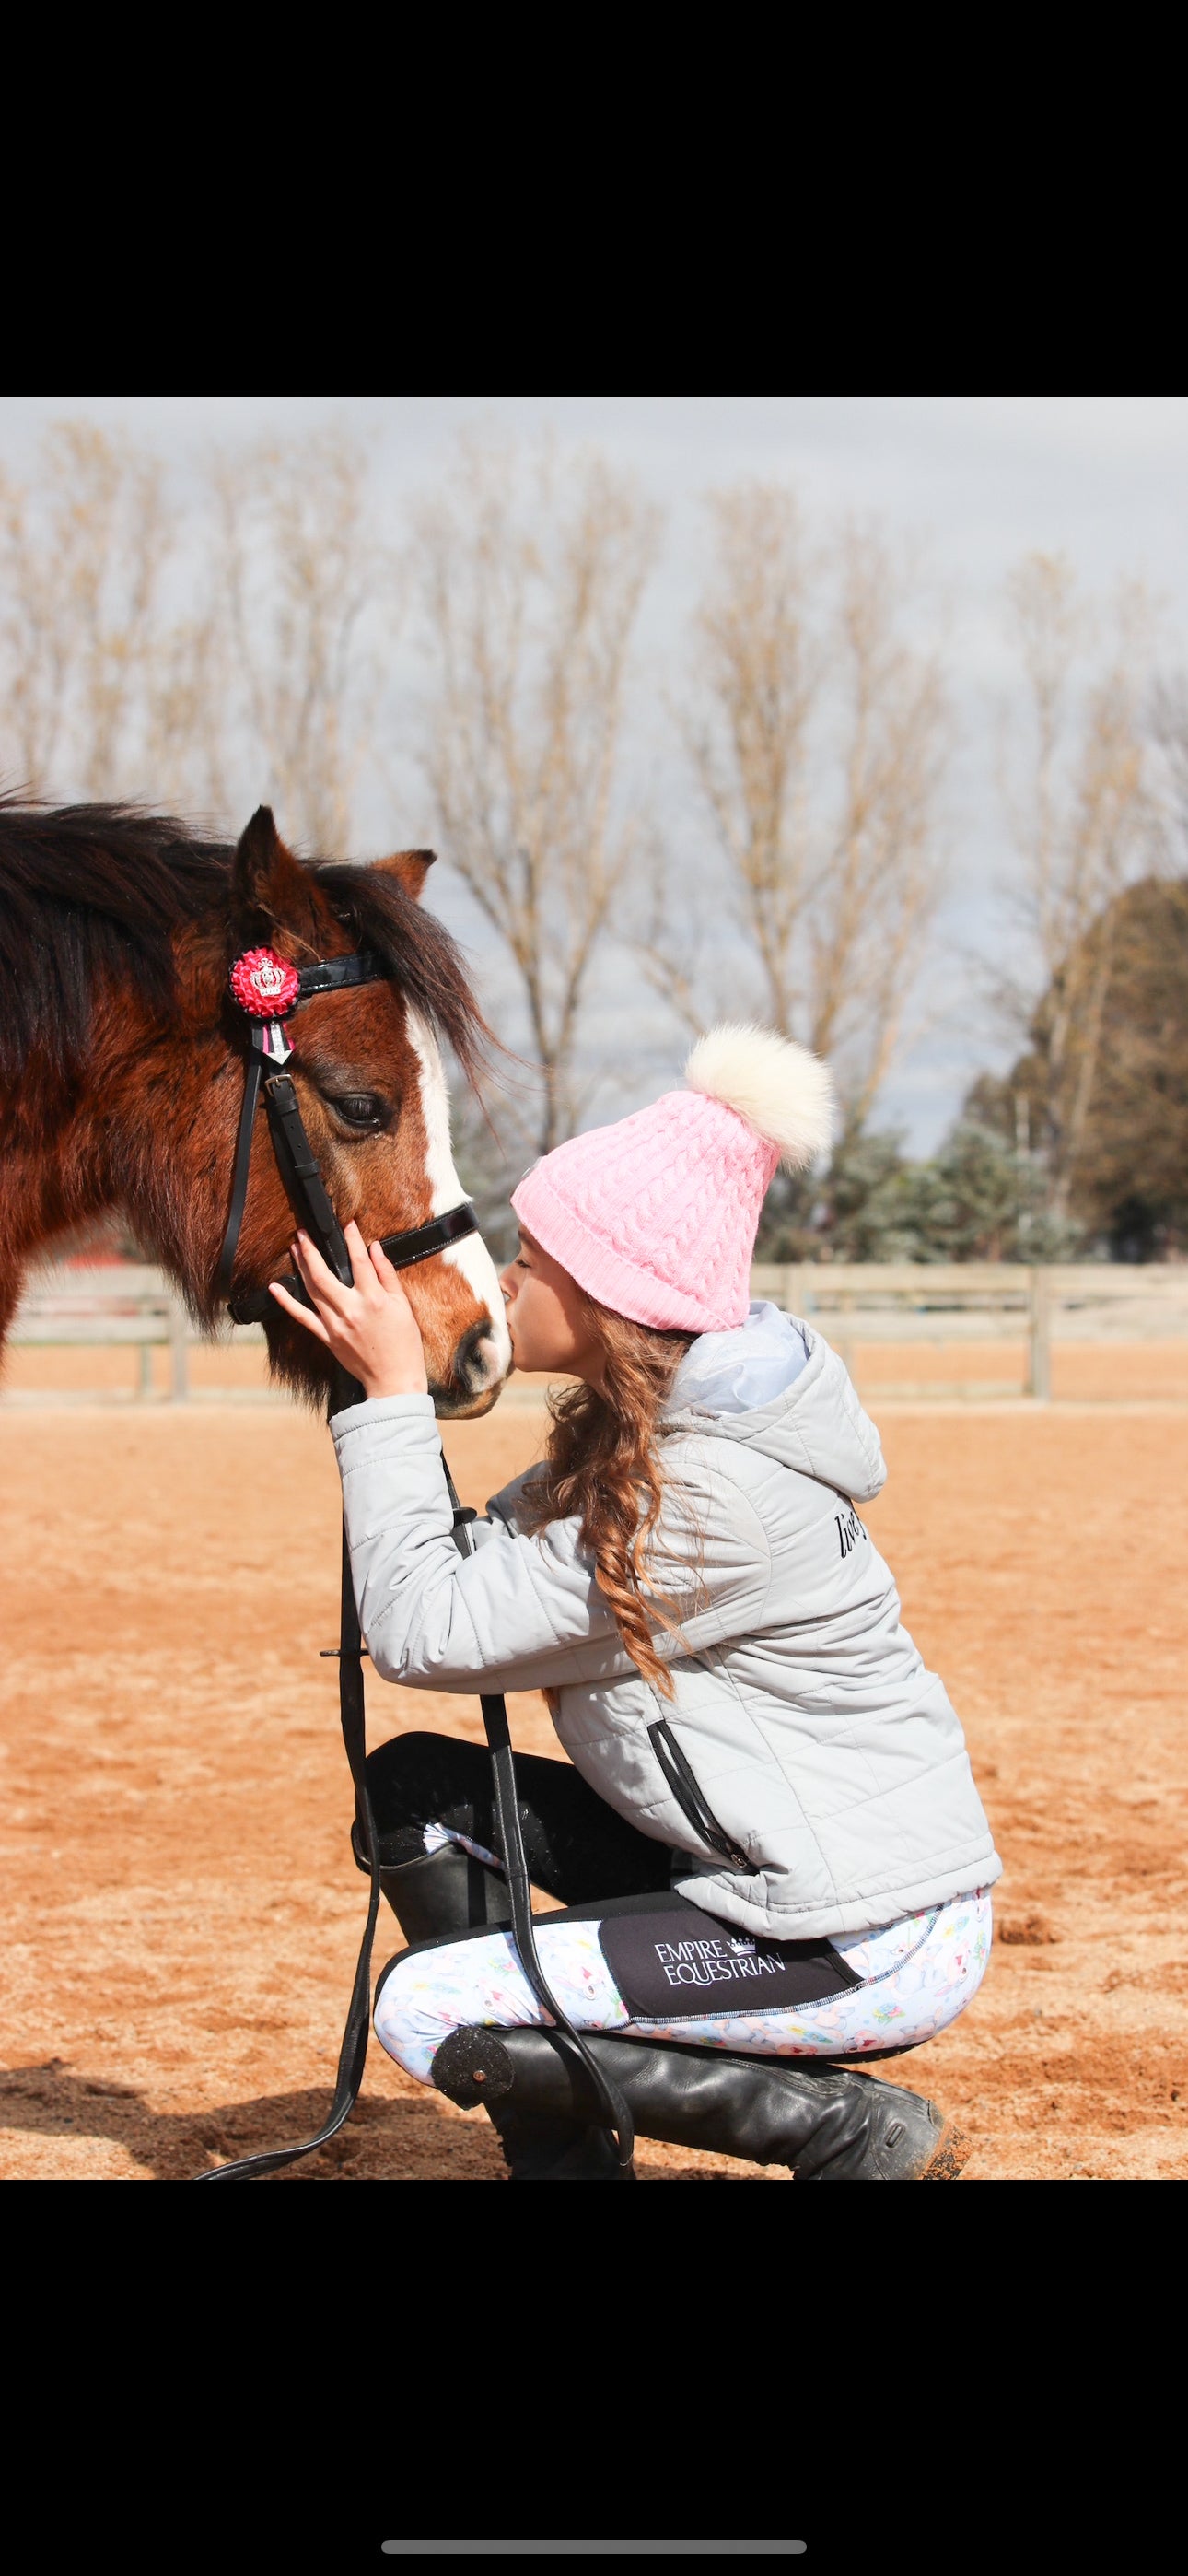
[{"x": 269, "y": 990}]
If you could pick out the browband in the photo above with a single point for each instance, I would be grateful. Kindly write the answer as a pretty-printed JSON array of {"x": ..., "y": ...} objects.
[{"x": 331, "y": 973}]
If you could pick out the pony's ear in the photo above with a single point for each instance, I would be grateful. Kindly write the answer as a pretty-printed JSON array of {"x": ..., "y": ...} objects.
[
  {"x": 267, "y": 881},
  {"x": 411, "y": 867}
]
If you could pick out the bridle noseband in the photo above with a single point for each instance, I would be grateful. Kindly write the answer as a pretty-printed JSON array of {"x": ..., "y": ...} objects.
[{"x": 268, "y": 989}]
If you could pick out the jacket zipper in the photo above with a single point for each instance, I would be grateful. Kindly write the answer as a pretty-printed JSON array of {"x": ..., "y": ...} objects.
[{"x": 683, "y": 1783}]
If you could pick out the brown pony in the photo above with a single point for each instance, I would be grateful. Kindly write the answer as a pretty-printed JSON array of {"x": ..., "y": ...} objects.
[{"x": 122, "y": 1065}]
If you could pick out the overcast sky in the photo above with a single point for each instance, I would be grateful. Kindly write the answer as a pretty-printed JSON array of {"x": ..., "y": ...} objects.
[{"x": 979, "y": 480}]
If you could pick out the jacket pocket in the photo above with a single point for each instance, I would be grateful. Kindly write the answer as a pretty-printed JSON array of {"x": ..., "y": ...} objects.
[{"x": 682, "y": 1781}]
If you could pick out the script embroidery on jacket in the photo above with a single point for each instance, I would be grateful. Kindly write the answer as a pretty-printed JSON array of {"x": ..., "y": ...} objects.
[{"x": 849, "y": 1529}]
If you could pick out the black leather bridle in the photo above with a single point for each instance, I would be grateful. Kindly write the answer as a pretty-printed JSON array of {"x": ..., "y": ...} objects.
[
  {"x": 296, "y": 1160},
  {"x": 269, "y": 992}
]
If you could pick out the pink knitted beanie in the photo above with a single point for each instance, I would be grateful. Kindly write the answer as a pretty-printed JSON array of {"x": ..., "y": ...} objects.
[{"x": 656, "y": 1216}]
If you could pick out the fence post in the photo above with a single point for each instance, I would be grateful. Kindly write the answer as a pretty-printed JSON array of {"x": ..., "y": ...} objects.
[
  {"x": 1040, "y": 1374},
  {"x": 144, "y": 1384},
  {"x": 179, "y": 1351}
]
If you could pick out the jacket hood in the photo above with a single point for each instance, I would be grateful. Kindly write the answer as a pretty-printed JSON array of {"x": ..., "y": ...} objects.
[{"x": 776, "y": 1384}]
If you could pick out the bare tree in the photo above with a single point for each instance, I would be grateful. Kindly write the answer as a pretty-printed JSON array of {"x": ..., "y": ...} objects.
[
  {"x": 817, "y": 741},
  {"x": 1169, "y": 730},
  {"x": 1083, "y": 821},
  {"x": 84, "y": 552},
  {"x": 531, "y": 602},
  {"x": 298, "y": 569},
  {"x": 208, "y": 659}
]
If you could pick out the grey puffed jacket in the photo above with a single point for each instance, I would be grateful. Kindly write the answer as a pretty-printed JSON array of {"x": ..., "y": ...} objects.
[{"x": 812, "y": 1769}]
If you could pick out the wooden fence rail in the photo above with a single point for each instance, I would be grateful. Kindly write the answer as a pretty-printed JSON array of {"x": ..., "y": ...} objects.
[
  {"x": 937, "y": 1303},
  {"x": 133, "y": 1304}
]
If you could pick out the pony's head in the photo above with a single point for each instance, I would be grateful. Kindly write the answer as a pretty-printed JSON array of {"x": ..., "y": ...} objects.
[
  {"x": 122, "y": 1062},
  {"x": 368, "y": 1070}
]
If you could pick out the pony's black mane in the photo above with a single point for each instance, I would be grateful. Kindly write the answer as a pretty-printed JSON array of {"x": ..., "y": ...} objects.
[{"x": 93, "y": 896}]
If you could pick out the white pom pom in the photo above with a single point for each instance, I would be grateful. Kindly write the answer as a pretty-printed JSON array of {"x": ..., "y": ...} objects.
[{"x": 781, "y": 1090}]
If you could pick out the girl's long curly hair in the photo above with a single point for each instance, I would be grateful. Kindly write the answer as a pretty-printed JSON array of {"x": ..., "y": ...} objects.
[{"x": 601, "y": 1463}]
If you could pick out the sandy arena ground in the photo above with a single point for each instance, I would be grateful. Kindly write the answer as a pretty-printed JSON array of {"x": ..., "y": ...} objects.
[{"x": 180, "y": 1911}]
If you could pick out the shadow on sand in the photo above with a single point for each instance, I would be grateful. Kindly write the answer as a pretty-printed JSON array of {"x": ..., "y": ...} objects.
[{"x": 384, "y": 2141}]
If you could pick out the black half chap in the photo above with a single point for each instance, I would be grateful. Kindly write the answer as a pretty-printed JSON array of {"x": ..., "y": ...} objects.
[{"x": 577, "y": 1848}]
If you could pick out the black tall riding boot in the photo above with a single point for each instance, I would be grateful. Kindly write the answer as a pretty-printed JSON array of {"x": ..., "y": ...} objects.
[
  {"x": 441, "y": 1891},
  {"x": 828, "y": 2123}
]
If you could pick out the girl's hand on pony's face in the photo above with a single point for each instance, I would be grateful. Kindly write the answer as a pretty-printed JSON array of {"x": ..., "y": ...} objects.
[
  {"x": 370, "y": 1328},
  {"x": 548, "y": 1317}
]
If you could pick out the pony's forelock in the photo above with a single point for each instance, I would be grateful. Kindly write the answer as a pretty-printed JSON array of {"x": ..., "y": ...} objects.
[{"x": 417, "y": 950}]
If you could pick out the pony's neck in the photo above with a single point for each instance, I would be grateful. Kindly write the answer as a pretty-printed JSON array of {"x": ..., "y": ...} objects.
[
  {"x": 50, "y": 1184},
  {"x": 79, "y": 1149}
]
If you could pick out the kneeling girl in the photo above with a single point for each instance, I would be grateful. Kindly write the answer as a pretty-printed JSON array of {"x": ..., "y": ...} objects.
[{"x": 771, "y": 1856}]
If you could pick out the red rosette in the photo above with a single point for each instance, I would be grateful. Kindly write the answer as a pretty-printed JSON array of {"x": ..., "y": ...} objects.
[{"x": 265, "y": 985}]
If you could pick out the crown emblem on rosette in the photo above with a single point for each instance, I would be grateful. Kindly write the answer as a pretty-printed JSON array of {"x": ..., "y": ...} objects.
[{"x": 266, "y": 986}]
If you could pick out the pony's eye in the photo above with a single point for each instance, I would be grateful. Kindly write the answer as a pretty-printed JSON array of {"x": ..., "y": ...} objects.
[{"x": 363, "y": 1110}]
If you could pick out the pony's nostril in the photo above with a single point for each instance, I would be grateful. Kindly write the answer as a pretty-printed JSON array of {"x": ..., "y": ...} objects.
[{"x": 472, "y": 1362}]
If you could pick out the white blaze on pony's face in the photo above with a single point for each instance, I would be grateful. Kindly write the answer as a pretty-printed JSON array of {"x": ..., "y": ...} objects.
[{"x": 488, "y": 1359}]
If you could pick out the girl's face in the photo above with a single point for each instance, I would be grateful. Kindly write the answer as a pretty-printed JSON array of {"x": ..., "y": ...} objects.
[{"x": 547, "y": 1317}]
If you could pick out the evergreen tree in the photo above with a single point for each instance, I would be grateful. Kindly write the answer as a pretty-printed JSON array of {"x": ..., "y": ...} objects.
[
  {"x": 977, "y": 1199},
  {"x": 1128, "y": 1185}
]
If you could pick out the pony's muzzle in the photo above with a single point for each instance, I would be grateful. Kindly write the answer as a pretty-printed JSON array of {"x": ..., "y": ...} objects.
[{"x": 476, "y": 1374}]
